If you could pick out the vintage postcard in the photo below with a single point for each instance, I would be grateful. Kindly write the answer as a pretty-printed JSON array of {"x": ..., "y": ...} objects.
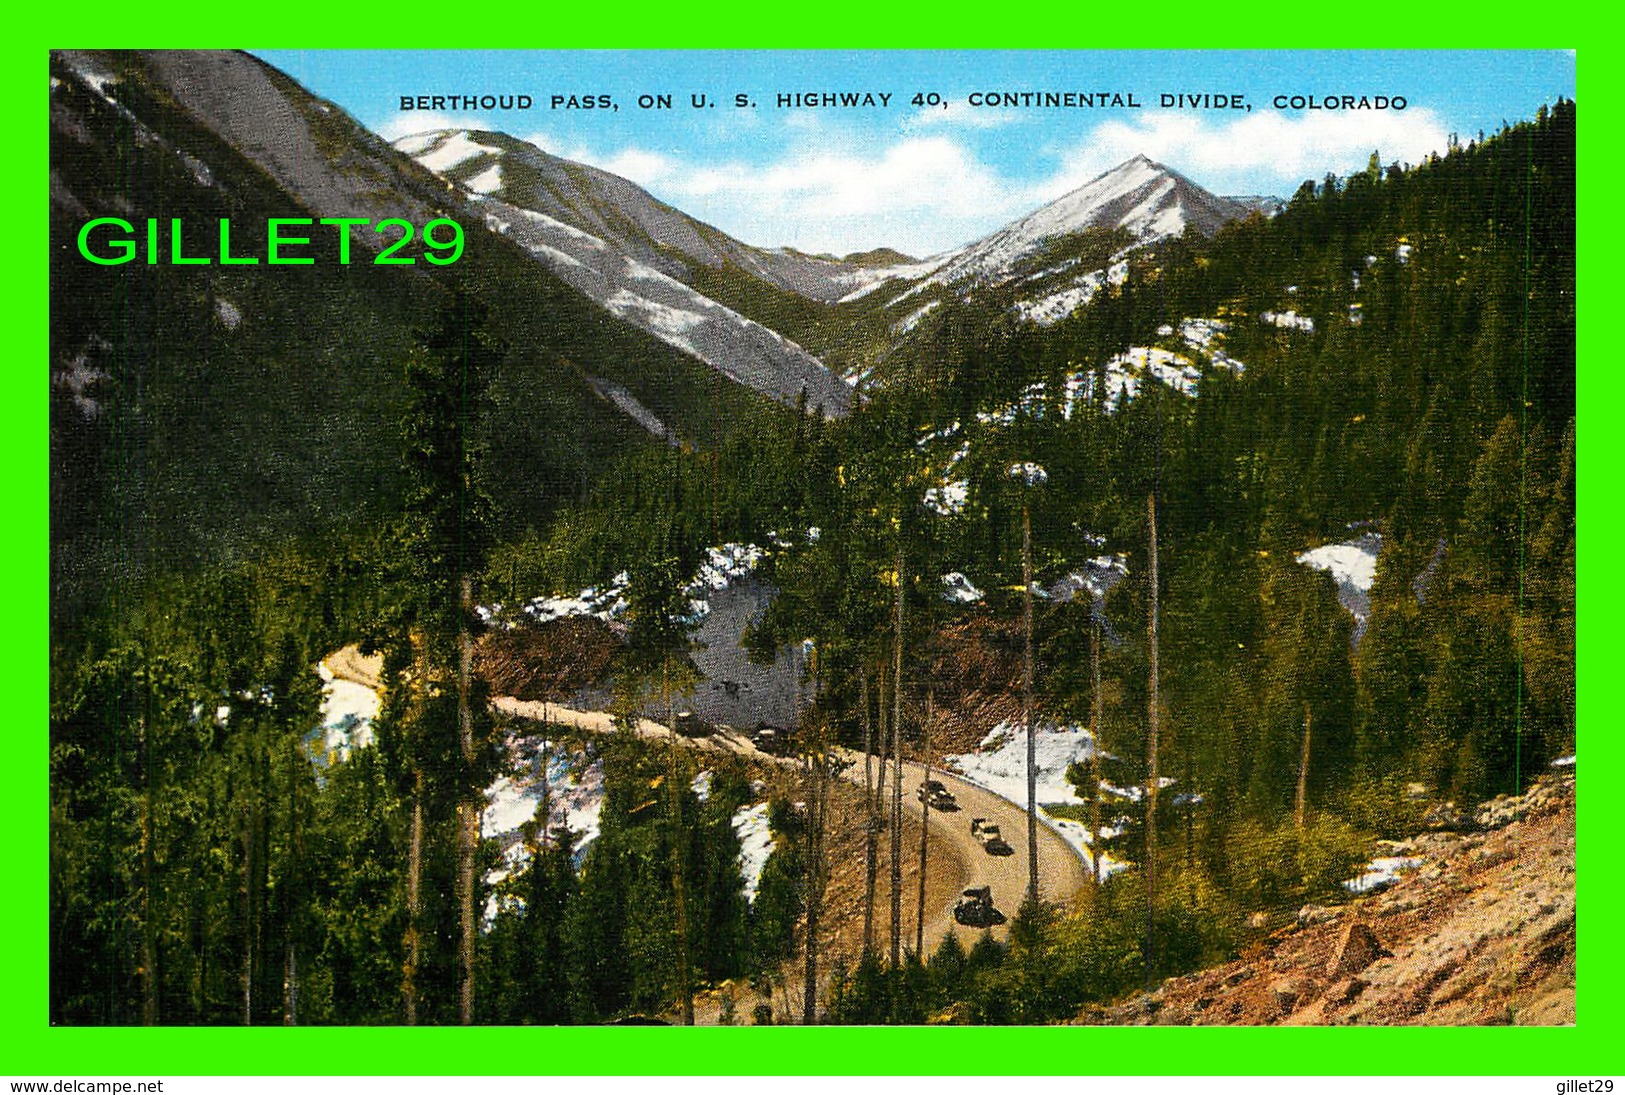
[{"x": 762, "y": 538}]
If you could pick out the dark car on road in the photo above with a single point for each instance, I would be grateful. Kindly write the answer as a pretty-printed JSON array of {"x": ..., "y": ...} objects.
[
  {"x": 938, "y": 797},
  {"x": 975, "y": 908}
]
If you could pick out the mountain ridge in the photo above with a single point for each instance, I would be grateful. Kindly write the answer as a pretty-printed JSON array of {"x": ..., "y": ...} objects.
[{"x": 1139, "y": 195}]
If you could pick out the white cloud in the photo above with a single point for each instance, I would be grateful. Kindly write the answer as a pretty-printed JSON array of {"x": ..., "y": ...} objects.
[
  {"x": 1273, "y": 146},
  {"x": 917, "y": 195},
  {"x": 642, "y": 166}
]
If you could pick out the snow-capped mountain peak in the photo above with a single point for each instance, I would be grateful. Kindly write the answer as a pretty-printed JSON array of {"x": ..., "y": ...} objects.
[{"x": 1139, "y": 195}]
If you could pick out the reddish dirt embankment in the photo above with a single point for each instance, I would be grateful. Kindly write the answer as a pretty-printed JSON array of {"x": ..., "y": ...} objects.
[{"x": 1481, "y": 932}]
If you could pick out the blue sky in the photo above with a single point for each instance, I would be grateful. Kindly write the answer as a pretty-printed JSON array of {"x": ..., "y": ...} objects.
[{"x": 925, "y": 179}]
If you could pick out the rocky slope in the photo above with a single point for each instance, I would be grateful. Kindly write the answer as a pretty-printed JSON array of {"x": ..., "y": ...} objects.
[{"x": 1481, "y": 932}]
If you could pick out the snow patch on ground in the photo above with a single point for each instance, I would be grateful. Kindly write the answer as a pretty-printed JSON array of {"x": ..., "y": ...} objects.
[
  {"x": 958, "y": 589},
  {"x": 1125, "y": 374},
  {"x": 1290, "y": 320},
  {"x": 1353, "y": 565},
  {"x": 1202, "y": 334},
  {"x": 1029, "y": 474},
  {"x": 1381, "y": 873},
  {"x": 729, "y": 563},
  {"x": 348, "y": 710},
  {"x": 602, "y": 602},
  {"x": 1000, "y": 765},
  {"x": 755, "y": 845},
  {"x": 1096, "y": 577},
  {"x": 576, "y": 794},
  {"x": 1076, "y": 833},
  {"x": 722, "y": 566},
  {"x": 948, "y": 499},
  {"x": 1353, "y": 562}
]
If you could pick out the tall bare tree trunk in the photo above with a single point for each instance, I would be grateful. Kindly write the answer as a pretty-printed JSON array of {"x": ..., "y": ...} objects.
[
  {"x": 296, "y": 888},
  {"x": 817, "y": 791},
  {"x": 897, "y": 779},
  {"x": 1097, "y": 705},
  {"x": 412, "y": 960},
  {"x": 468, "y": 812},
  {"x": 925, "y": 822},
  {"x": 1027, "y": 699},
  {"x": 809, "y": 950},
  {"x": 871, "y": 822},
  {"x": 253, "y": 873},
  {"x": 1303, "y": 772},
  {"x": 245, "y": 973},
  {"x": 1151, "y": 748},
  {"x": 414, "y": 906},
  {"x": 685, "y": 987},
  {"x": 149, "y": 904}
]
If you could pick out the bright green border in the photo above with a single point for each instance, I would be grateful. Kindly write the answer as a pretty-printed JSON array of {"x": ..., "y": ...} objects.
[{"x": 29, "y": 1046}]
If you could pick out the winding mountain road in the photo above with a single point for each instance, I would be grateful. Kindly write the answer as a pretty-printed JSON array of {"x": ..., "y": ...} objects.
[{"x": 1062, "y": 873}]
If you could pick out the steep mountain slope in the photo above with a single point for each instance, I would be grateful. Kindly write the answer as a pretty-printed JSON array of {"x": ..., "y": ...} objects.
[
  {"x": 621, "y": 249},
  {"x": 199, "y": 410},
  {"x": 624, "y": 215}
]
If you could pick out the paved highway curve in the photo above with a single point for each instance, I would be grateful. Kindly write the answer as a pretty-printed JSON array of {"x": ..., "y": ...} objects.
[{"x": 1062, "y": 873}]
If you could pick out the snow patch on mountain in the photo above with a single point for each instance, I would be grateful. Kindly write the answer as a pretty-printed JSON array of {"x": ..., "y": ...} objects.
[
  {"x": 867, "y": 281},
  {"x": 672, "y": 324},
  {"x": 451, "y": 149},
  {"x": 1050, "y": 310},
  {"x": 628, "y": 405},
  {"x": 1289, "y": 320},
  {"x": 664, "y": 307},
  {"x": 417, "y": 142},
  {"x": 1353, "y": 566},
  {"x": 486, "y": 182},
  {"x": 912, "y": 320}
]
